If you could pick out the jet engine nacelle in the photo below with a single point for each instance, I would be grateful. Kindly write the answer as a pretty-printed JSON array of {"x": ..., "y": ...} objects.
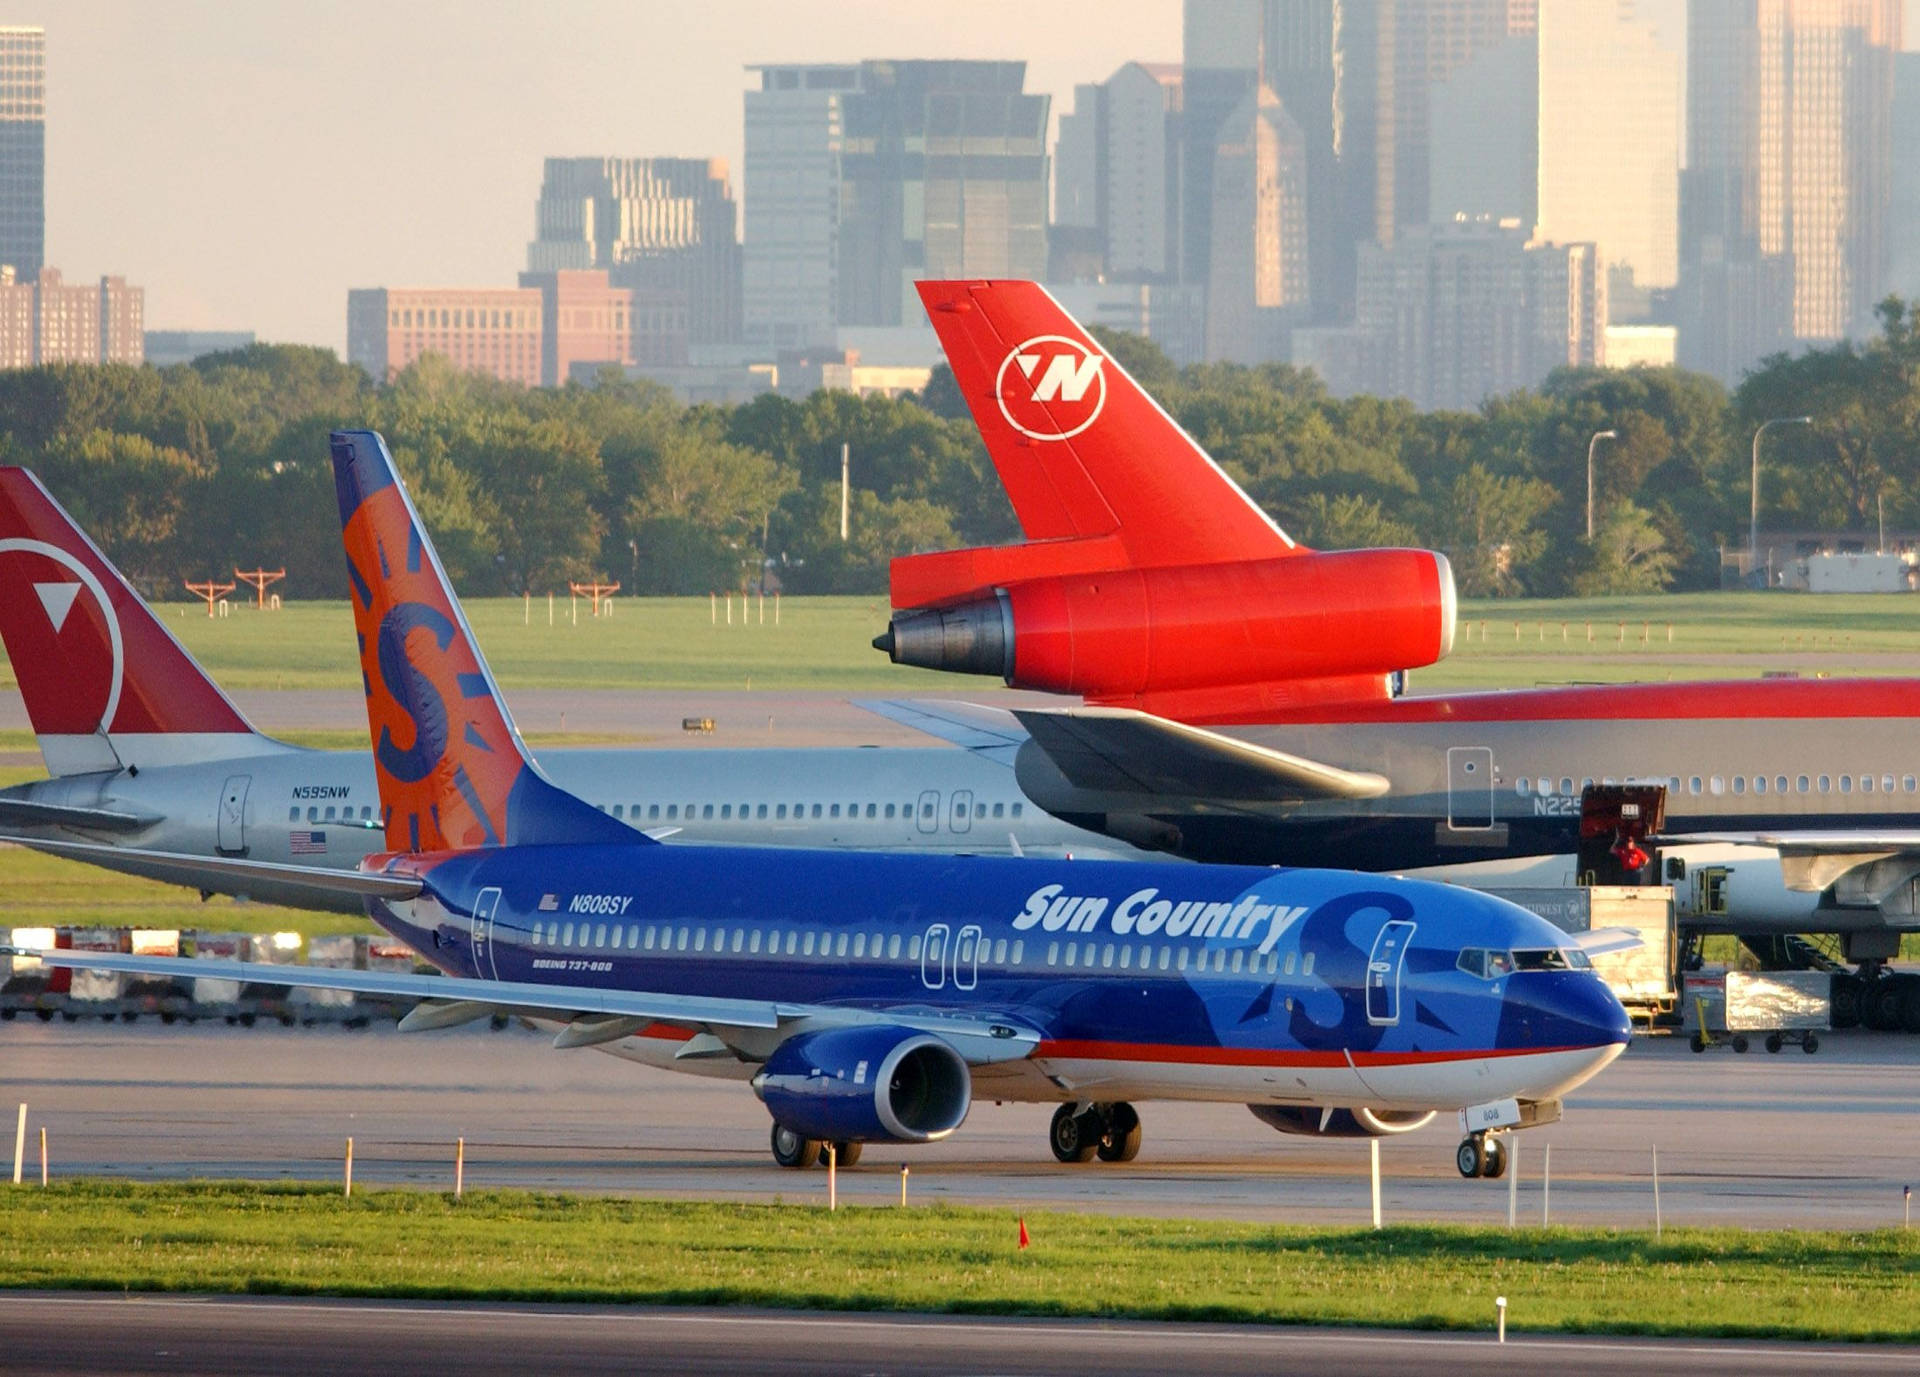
[
  {"x": 866, "y": 1084},
  {"x": 1341, "y": 1123},
  {"x": 1131, "y": 632}
]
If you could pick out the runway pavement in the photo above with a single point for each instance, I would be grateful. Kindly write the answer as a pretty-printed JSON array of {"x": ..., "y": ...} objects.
[
  {"x": 134, "y": 1336},
  {"x": 1810, "y": 1141}
]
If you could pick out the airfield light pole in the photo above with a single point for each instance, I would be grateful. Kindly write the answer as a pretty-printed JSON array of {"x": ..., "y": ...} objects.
[
  {"x": 1592, "y": 444},
  {"x": 1753, "y": 484}
]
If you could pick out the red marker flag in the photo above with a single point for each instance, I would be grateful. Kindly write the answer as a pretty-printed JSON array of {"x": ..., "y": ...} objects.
[{"x": 1024, "y": 1240}]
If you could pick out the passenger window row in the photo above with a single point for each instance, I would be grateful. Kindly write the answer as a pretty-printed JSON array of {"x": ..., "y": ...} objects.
[
  {"x": 343, "y": 815},
  {"x": 781, "y": 812},
  {"x": 857, "y": 946},
  {"x": 1122, "y": 956},
  {"x": 1716, "y": 785}
]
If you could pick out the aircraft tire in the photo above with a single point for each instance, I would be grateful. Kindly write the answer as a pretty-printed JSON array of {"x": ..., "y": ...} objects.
[
  {"x": 1881, "y": 1009},
  {"x": 1471, "y": 1157},
  {"x": 1497, "y": 1159},
  {"x": 844, "y": 1154},
  {"x": 1909, "y": 1003},
  {"x": 1074, "y": 1137},
  {"x": 1848, "y": 991},
  {"x": 791, "y": 1150},
  {"x": 1121, "y": 1142}
]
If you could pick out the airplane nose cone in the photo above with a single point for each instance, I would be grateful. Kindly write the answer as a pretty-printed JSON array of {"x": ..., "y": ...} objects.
[{"x": 1563, "y": 1009}]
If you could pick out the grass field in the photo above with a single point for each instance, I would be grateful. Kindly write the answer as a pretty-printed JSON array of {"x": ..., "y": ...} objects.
[
  {"x": 823, "y": 643},
  {"x": 293, "y": 1239}
]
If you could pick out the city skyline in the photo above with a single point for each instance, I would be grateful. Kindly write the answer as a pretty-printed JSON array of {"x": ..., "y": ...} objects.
[{"x": 180, "y": 142}]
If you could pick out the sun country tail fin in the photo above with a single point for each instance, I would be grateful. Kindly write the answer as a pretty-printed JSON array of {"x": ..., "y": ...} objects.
[
  {"x": 106, "y": 685},
  {"x": 452, "y": 769},
  {"x": 1086, "y": 456}
]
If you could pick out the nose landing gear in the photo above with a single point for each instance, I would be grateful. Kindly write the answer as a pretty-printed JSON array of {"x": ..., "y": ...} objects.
[{"x": 1481, "y": 1155}]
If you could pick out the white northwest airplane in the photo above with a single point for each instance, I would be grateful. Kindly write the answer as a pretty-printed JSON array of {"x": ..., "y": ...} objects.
[{"x": 144, "y": 751}]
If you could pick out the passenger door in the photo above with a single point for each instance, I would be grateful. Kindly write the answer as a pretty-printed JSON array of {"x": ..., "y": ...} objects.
[
  {"x": 933, "y": 957},
  {"x": 230, "y": 823},
  {"x": 481, "y": 928},
  {"x": 966, "y": 958},
  {"x": 1469, "y": 787},
  {"x": 1383, "y": 972}
]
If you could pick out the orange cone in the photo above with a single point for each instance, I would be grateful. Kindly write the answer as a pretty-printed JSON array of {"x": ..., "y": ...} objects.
[{"x": 1024, "y": 1240}]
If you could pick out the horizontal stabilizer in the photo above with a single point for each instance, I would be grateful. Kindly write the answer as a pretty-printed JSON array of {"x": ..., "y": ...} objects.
[
  {"x": 502, "y": 995},
  {"x": 992, "y": 733},
  {"x": 1119, "y": 758},
  {"x": 19, "y": 812},
  {"x": 182, "y": 869}
]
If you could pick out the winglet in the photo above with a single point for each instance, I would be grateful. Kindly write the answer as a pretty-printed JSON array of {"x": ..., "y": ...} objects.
[{"x": 452, "y": 769}]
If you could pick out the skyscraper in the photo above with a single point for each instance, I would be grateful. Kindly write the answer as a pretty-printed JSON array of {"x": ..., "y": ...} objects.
[
  {"x": 1610, "y": 138},
  {"x": 660, "y": 227},
  {"x": 1257, "y": 261},
  {"x": 1785, "y": 200},
  {"x": 23, "y": 150},
  {"x": 790, "y": 197},
  {"x": 943, "y": 174}
]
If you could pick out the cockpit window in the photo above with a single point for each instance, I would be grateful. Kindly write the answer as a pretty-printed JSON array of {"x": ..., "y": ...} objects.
[
  {"x": 1552, "y": 959},
  {"x": 1488, "y": 965}
]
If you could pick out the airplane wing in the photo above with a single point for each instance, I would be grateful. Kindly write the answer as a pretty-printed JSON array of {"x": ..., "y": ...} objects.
[
  {"x": 594, "y": 1014},
  {"x": 1812, "y": 861},
  {"x": 992, "y": 733},
  {"x": 179, "y": 868},
  {"x": 1119, "y": 759},
  {"x": 16, "y": 812}
]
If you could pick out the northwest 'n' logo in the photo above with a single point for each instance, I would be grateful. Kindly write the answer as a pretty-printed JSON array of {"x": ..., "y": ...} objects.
[{"x": 1051, "y": 387}]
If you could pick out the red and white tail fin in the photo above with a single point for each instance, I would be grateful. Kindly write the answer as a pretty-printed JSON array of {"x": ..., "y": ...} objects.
[
  {"x": 105, "y": 683},
  {"x": 1085, "y": 454}
]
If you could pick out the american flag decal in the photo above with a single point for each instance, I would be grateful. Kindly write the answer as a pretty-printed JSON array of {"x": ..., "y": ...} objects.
[
  {"x": 549, "y": 902},
  {"x": 306, "y": 843}
]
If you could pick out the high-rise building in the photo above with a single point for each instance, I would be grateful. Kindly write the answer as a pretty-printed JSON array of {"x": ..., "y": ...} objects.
[
  {"x": 1903, "y": 189},
  {"x": 1610, "y": 139},
  {"x": 1447, "y": 317},
  {"x": 1257, "y": 261},
  {"x": 790, "y": 197},
  {"x": 584, "y": 319},
  {"x": 1483, "y": 136},
  {"x": 1784, "y": 204},
  {"x": 657, "y": 226},
  {"x": 123, "y": 323},
  {"x": 1076, "y": 161},
  {"x": 45, "y": 320},
  {"x": 943, "y": 174},
  {"x": 492, "y": 330},
  {"x": 23, "y": 150}
]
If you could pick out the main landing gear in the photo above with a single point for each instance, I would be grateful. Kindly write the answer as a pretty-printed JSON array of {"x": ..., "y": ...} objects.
[
  {"x": 791, "y": 1150},
  {"x": 1482, "y": 1155},
  {"x": 1080, "y": 1133}
]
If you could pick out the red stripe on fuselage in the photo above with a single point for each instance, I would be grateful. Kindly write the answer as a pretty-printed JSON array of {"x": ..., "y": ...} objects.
[
  {"x": 1744, "y": 699},
  {"x": 1082, "y": 1050}
]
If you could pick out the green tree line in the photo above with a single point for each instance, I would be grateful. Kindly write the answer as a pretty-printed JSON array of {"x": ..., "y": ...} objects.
[{"x": 188, "y": 471}]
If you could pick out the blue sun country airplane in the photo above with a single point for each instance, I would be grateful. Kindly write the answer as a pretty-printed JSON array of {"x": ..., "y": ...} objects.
[{"x": 869, "y": 997}]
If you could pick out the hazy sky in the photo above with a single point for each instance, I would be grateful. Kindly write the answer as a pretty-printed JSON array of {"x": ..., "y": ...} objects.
[{"x": 247, "y": 163}]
